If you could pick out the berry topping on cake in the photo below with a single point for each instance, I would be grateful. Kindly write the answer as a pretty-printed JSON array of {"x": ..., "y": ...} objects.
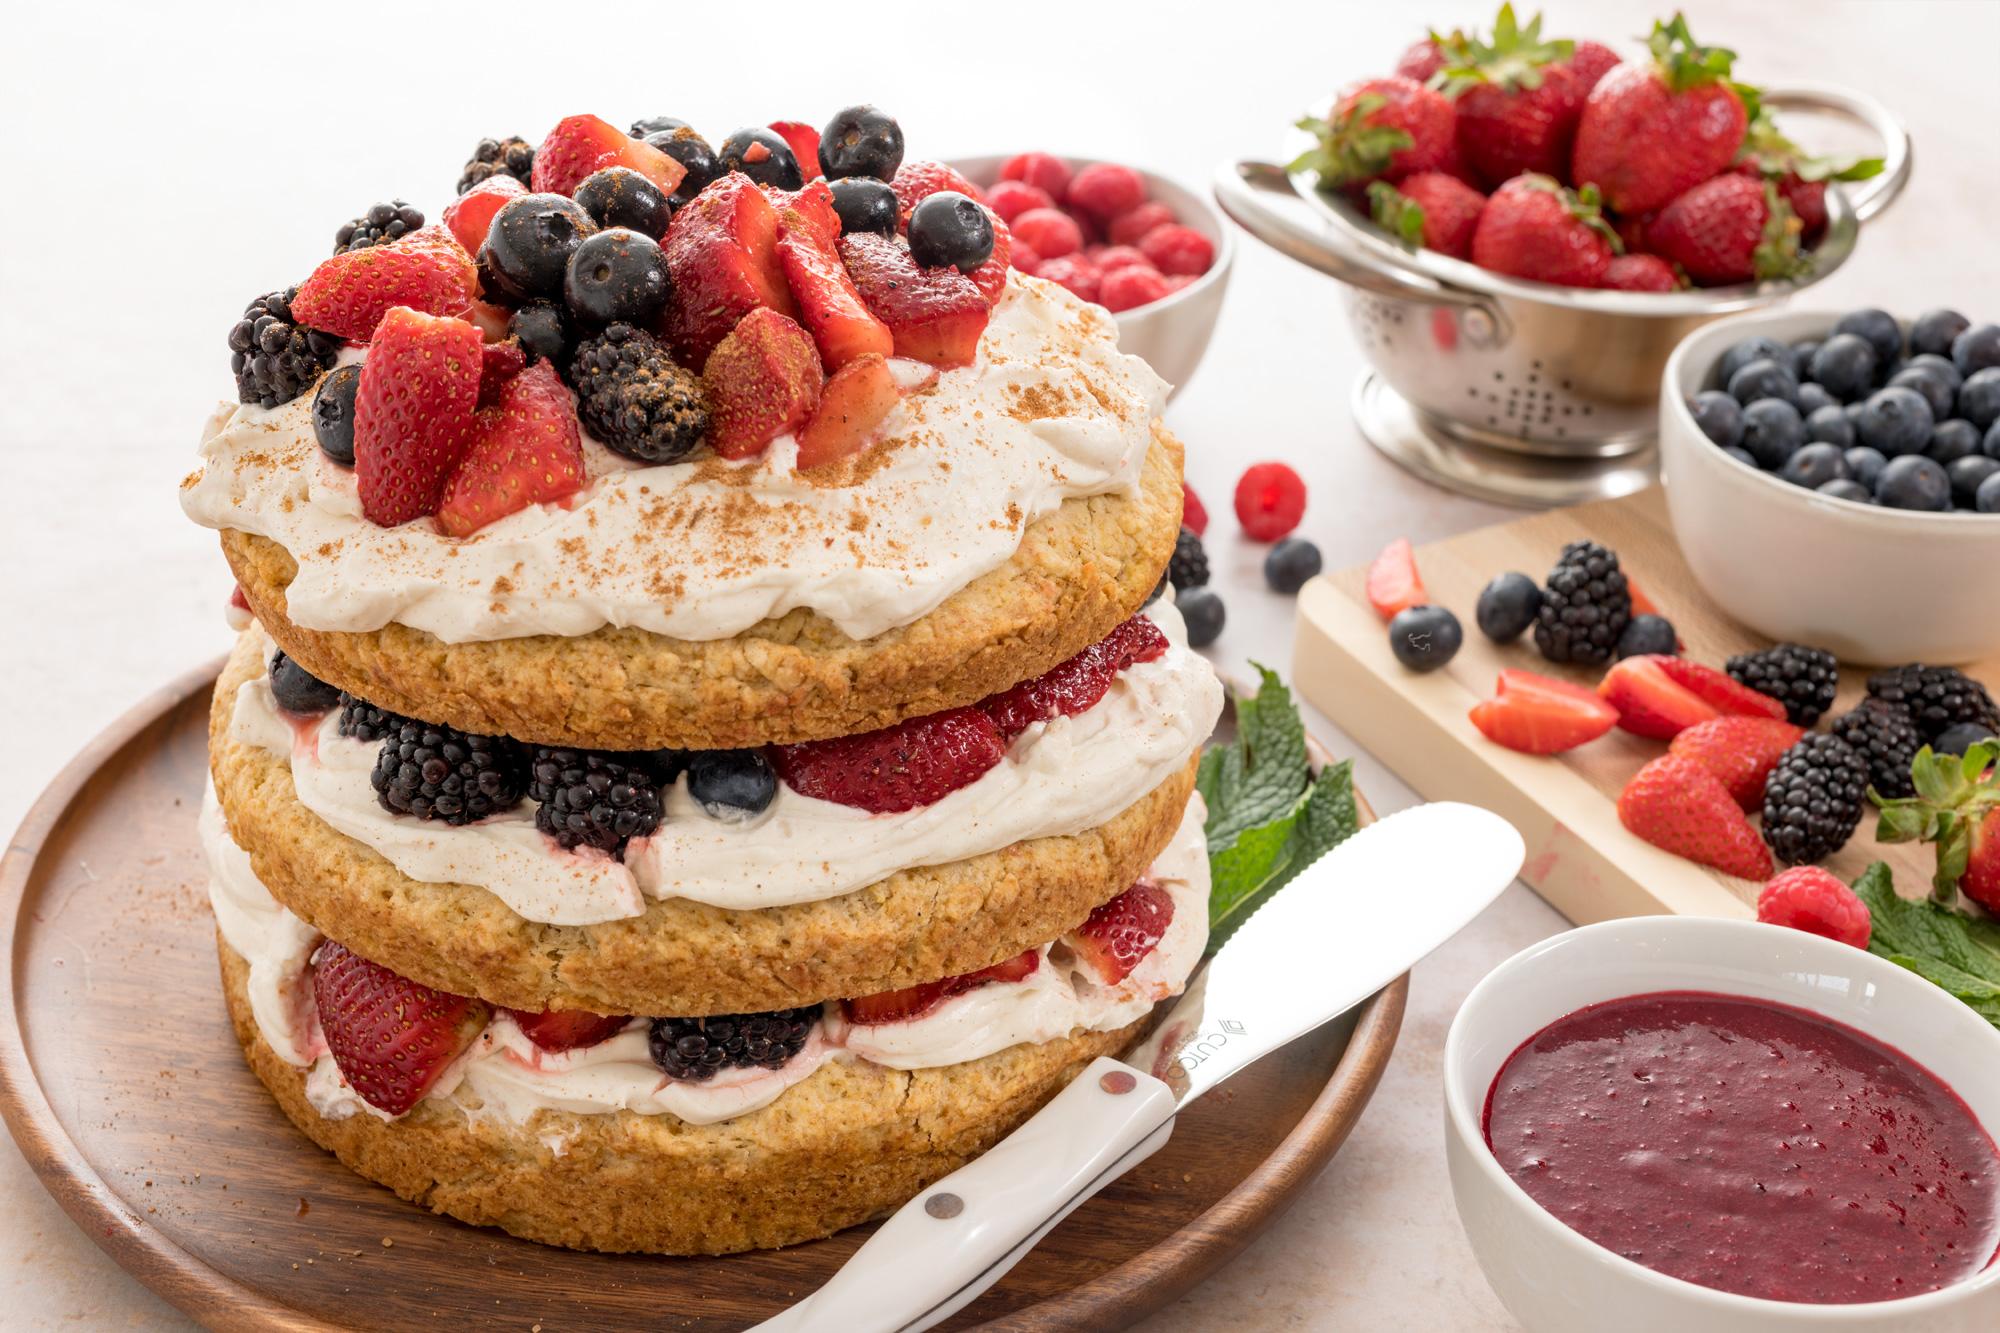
[
  {"x": 991, "y": 277},
  {"x": 542, "y": 329},
  {"x": 803, "y": 140},
  {"x": 363, "y": 721},
  {"x": 382, "y": 222},
  {"x": 413, "y": 412},
  {"x": 861, "y": 141},
  {"x": 470, "y": 216},
  {"x": 896, "y": 768},
  {"x": 524, "y": 450},
  {"x": 498, "y": 363},
  {"x": 297, "y": 690},
  {"x": 634, "y": 399},
  {"x": 1117, "y": 936},
  {"x": 621, "y": 197},
  {"x": 1070, "y": 687},
  {"x": 829, "y": 306},
  {"x": 936, "y": 314},
  {"x": 617, "y": 276},
  {"x": 762, "y": 381},
  {"x": 390, "y": 1037},
  {"x": 693, "y": 152},
  {"x": 581, "y": 145},
  {"x": 863, "y": 203},
  {"x": 855, "y": 400},
  {"x": 913, "y": 1001},
  {"x": 731, "y": 785},
  {"x": 585, "y": 798},
  {"x": 498, "y": 157},
  {"x": 333, "y": 413},
  {"x": 567, "y": 1029},
  {"x": 920, "y": 180},
  {"x": 427, "y": 270},
  {"x": 528, "y": 246},
  {"x": 949, "y": 230},
  {"x": 274, "y": 357},
  {"x": 722, "y": 253},
  {"x": 697, "y": 1049},
  {"x": 762, "y": 155},
  {"x": 433, "y": 771}
]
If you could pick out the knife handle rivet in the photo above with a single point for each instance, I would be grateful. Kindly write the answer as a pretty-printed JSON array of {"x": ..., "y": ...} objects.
[
  {"x": 944, "y": 1206},
  {"x": 1118, "y": 1083}
]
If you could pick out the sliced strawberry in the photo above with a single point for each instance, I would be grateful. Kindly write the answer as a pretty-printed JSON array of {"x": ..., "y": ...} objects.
[
  {"x": 524, "y": 450},
  {"x": 911, "y": 1001},
  {"x": 991, "y": 277},
  {"x": 1740, "y": 751},
  {"x": 1679, "y": 806},
  {"x": 918, "y": 181},
  {"x": 413, "y": 412},
  {"x": 1537, "y": 715},
  {"x": 1652, "y": 703},
  {"x": 897, "y": 768},
  {"x": 804, "y": 141},
  {"x": 761, "y": 381},
  {"x": 492, "y": 320},
  {"x": 471, "y": 214},
  {"x": 498, "y": 363},
  {"x": 1726, "y": 694},
  {"x": 722, "y": 253},
  {"x": 936, "y": 314},
  {"x": 1116, "y": 937},
  {"x": 829, "y": 305},
  {"x": 1070, "y": 687},
  {"x": 580, "y": 145},
  {"x": 389, "y": 1036},
  {"x": 567, "y": 1029},
  {"x": 852, "y": 404},
  {"x": 1393, "y": 581},
  {"x": 348, "y": 294}
]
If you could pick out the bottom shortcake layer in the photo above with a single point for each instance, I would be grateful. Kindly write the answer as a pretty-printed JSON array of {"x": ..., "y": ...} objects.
[{"x": 850, "y": 1143}]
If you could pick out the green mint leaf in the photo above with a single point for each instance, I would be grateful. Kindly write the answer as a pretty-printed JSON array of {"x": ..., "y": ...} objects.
[
  {"x": 1264, "y": 859},
  {"x": 1921, "y": 929},
  {"x": 1270, "y": 771}
]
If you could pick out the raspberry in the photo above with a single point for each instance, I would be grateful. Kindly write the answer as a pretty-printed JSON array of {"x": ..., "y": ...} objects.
[
  {"x": 1078, "y": 274},
  {"x": 1270, "y": 501},
  {"x": 1111, "y": 258},
  {"x": 1045, "y": 171},
  {"x": 1177, "y": 249},
  {"x": 1050, "y": 232},
  {"x": 1024, "y": 257},
  {"x": 1176, "y": 281},
  {"x": 1130, "y": 287},
  {"x": 1105, "y": 189},
  {"x": 1194, "y": 514},
  {"x": 1008, "y": 198},
  {"x": 1810, "y": 899},
  {"x": 1131, "y": 226}
]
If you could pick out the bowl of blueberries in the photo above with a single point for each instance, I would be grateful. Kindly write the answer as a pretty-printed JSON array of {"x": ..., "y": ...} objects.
[{"x": 1835, "y": 478}]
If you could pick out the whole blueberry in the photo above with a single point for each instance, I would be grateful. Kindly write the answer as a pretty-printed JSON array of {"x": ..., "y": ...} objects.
[
  {"x": 763, "y": 156},
  {"x": 1978, "y": 348},
  {"x": 1846, "y": 488},
  {"x": 543, "y": 328},
  {"x": 530, "y": 242},
  {"x": 1952, "y": 440},
  {"x": 1979, "y": 397},
  {"x": 652, "y": 125},
  {"x": 1741, "y": 455},
  {"x": 694, "y": 154},
  {"x": 861, "y": 141},
  {"x": 949, "y": 230},
  {"x": 1914, "y": 482},
  {"x": 1802, "y": 352},
  {"x": 1896, "y": 421},
  {"x": 1880, "y": 330},
  {"x": 865, "y": 204},
  {"x": 1988, "y": 499},
  {"x": 1960, "y": 737},
  {"x": 1294, "y": 560},
  {"x": 617, "y": 276},
  {"x": 621, "y": 197},
  {"x": 1967, "y": 476},
  {"x": 298, "y": 690},
  {"x": 333, "y": 413},
  {"x": 1812, "y": 397},
  {"x": 1648, "y": 634},
  {"x": 1844, "y": 366},
  {"x": 1756, "y": 348},
  {"x": 1814, "y": 465},
  {"x": 1203, "y": 612},
  {"x": 1854, "y": 411},
  {"x": 1508, "y": 605},
  {"x": 1772, "y": 432},
  {"x": 1865, "y": 464},
  {"x": 1933, "y": 331},
  {"x": 1764, "y": 379},
  {"x": 1936, "y": 392},
  {"x": 1424, "y": 638},
  {"x": 1941, "y": 366},
  {"x": 1831, "y": 425},
  {"x": 731, "y": 785},
  {"x": 1990, "y": 445},
  {"x": 1719, "y": 416}
]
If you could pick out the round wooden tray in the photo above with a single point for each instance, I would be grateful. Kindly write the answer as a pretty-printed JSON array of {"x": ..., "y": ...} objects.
[{"x": 124, "y": 1088}]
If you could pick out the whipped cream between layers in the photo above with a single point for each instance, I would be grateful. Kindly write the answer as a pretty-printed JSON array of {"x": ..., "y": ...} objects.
[
  {"x": 704, "y": 549},
  {"x": 1058, "y": 778}
]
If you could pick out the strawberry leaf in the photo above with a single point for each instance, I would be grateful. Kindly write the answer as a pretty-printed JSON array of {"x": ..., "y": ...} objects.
[
  {"x": 1683, "y": 63},
  {"x": 1514, "y": 59},
  {"x": 1396, "y": 213},
  {"x": 1349, "y": 148}
]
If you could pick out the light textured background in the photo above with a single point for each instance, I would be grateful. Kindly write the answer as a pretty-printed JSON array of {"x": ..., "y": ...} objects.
[{"x": 164, "y": 164}]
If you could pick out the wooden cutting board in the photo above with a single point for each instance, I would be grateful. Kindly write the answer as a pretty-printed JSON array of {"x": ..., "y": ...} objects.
[{"x": 1580, "y": 857}]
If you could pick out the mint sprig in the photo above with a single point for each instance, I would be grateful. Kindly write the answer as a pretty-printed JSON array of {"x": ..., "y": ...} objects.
[{"x": 1953, "y": 950}]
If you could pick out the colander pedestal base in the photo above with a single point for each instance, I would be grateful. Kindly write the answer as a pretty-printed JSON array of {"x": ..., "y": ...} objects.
[{"x": 1416, "y": 441}]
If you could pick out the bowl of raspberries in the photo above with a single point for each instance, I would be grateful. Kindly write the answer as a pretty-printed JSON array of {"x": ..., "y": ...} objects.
[{"x": 1527, "y": 224}]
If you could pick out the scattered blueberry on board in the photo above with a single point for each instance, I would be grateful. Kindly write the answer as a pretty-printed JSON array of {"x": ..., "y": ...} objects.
[{"x": 1868, "y": 413}]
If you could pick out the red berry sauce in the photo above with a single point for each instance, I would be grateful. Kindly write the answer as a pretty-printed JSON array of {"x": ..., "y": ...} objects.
[{"x": 1750, "y": 1147}]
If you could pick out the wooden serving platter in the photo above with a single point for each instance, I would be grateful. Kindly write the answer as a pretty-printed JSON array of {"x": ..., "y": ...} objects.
[
  {"x": 126, "y": 1092},
  {"x": 1580, "y": 857}
]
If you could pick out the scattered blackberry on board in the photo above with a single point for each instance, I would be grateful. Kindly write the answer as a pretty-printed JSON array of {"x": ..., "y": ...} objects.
[
  {"x": 1290, "y": 564},
  {"x": 1938, "y": 697},
  {"x": 585, "y": 798},
  {"x": 333, "y": 413},
  {"x": 1886, "y": 737},
  {"x": 696, "y": 1049},
  {"x": 1649, "y": 635},
  {"x": 298, "y": 690},
  {"x": 273, "y": 359},
  {"x": 433, "y": 771},
  {"x": 383, "y": 222},
  {"x": 1803, "y": 679},
  {"x": 1814, "y": 798},
  {"x": 363, "y": 721},
  {"x": 513, "y": 157},
  {"x": 1189, "y": 566},
  {"x": 731, "y": 785},
  {"x": 1509, "y": 604},
  {"x": 1204, "y": 613},
  {"x": 634, "y": 398},
  {"x": 1585, "y": 606}
]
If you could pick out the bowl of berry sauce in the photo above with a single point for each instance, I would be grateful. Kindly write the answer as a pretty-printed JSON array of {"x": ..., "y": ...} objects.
[{"x": 1673, "y": 1123}]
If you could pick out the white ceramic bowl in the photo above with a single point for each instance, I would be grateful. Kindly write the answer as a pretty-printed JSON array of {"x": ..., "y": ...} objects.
[
  {"x": 1170, "y": 334},
  {"x": 1553, "y": 1279},
  {"x": 1875, "y": 586}
]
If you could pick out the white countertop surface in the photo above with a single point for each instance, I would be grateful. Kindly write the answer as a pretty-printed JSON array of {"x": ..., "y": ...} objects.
[{"x": 167, "y": 164}]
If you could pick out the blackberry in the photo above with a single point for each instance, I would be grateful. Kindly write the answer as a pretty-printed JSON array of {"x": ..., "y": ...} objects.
[
  {"x": 1938, "y": 697},
  {"x": 634, "y": 398},
  {"x": 694, "y": 1049},
  {"x": 515, "y": 157},
  {"x": 433, "y": 771},
  {"x": 588, "y": 798},
  {"x": 1814, "y": 798},
  {"x": 1585, "y": 606},
  {"x": 1803, "y": 679},
  {"x": 1189, "y": 566},
  {"x": 296, "y": 689},
  {"x": 274, "y": 359},
  {"x": 363, "y": 721},
  {"x": 1887, "y": 739},
  {"x": 383, "y": 222}
]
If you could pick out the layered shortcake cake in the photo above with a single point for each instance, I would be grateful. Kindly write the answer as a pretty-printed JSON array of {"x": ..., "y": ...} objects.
[{"x": 707, "y": 758}]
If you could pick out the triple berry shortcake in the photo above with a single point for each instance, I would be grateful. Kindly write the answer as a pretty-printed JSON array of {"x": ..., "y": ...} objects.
[{"x": 704, "y": 756}]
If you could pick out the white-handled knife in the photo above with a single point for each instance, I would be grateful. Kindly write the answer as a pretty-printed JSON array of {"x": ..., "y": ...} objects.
[{"x": 1352, "y": 922}]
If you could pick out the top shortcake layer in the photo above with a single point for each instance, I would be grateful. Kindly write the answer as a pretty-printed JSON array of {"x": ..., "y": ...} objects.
[{"x": 704, "y": 549}]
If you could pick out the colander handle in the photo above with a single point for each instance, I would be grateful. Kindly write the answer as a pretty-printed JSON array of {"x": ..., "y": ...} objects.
[
  {"x": 1871, "y": 196},
  {"x": 1251, "y": 194}
]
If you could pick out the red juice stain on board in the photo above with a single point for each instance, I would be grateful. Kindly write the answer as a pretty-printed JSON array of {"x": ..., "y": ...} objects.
[{"x": 1749, "y": 1146}]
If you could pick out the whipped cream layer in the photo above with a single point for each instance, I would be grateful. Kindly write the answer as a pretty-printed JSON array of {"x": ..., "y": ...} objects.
[
  {"x": 1049, "y": 410},
  {"x": 1059, "y": 778}
]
